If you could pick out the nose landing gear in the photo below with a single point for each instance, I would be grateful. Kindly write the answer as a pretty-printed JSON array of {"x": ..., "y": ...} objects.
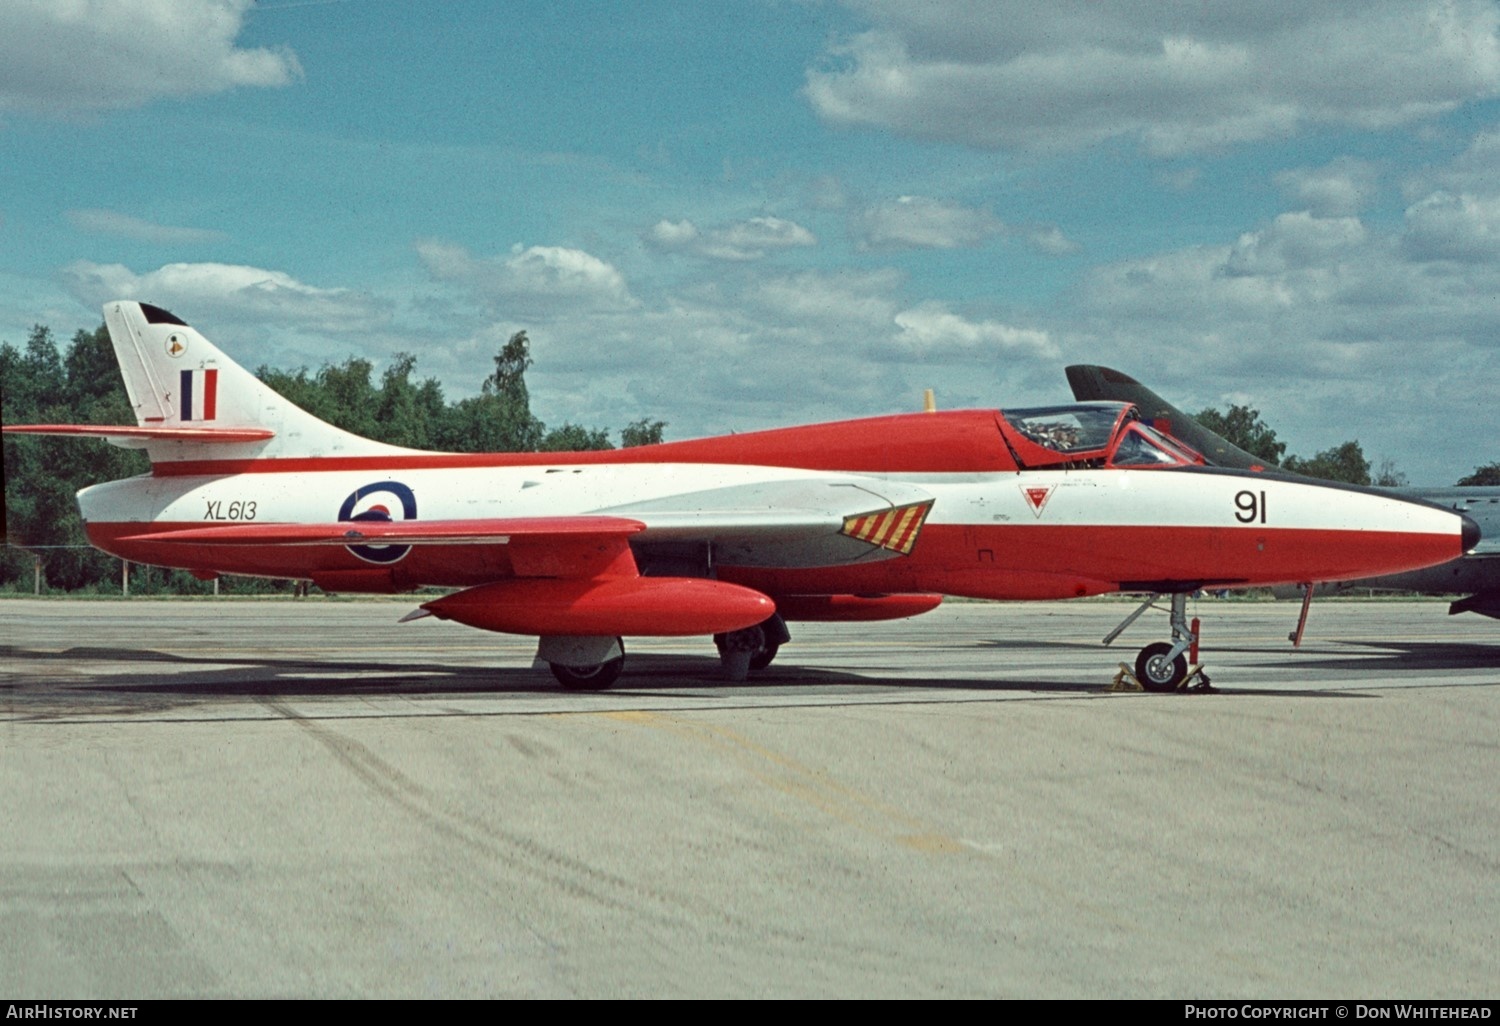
[{"x": 1163, "y": 666}]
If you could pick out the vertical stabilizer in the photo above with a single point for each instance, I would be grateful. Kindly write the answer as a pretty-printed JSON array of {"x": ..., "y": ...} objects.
[
  {"x": 180, "y": 382},
  {"x": 1091, "y": 382}
]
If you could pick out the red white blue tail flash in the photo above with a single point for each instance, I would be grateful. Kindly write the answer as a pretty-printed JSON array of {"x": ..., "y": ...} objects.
[{"x": 198, "y": 392}]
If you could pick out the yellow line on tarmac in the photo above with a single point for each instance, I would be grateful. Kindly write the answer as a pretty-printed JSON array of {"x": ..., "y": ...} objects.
[{"x": 811, "y": 786}]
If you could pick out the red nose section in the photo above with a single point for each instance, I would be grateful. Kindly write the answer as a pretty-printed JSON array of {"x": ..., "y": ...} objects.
[{"x": 640, "y": 606}]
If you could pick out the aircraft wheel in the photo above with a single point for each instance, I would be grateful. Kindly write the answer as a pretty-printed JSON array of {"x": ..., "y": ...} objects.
[
  {"x": 1158, "y": 673},
  {"x": 753, "y": 640},
  {"x": 761, "y": 659},
  {"x": 588, "y": 678}
]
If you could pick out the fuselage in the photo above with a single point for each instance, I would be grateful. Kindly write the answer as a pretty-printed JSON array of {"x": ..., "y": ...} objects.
[{"x": 1009, "y": 534}]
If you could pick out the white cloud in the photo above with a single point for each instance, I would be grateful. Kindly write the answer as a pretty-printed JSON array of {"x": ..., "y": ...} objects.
[
  {"x": 673, "y": 234},
  {"x": 1294, "y": 241},
  {"x": 1472, "y": 171},
  {"x": 1444, "y": 226},
  {"x": 230, "y": 292},
  {"x": 540, "y": 281},
  {"x": 837, "y": 301},
  {"x": 920, "y": 222},
  {"x": 931, "y": 332},
  {"x": 58, "y": 56},
  {"x": 1335, "y": 329},
  {"x": 746, "y": 240},
  {"x": 1342, "y": 188},
  {"x": 1177, "y": 78},
  {"x": 110, "y": 222}
]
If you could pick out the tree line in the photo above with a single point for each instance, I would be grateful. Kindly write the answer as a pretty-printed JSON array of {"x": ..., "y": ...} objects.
[
  {"x": 42, "y": 383},
  {"x": 1242, "y": 426}
]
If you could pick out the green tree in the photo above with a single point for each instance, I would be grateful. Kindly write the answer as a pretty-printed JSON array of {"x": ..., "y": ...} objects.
[
  {"x": 1243, "y": 427},
  {"x": 499, "y": 419},
  {"x": 40, "y": 385},
  {"x": 408, "y": 414},
  {"x": 641, "y": 432},
  {"x": 351, "y": 396},
  {"x": 1489, "y": 474},
  {"x": 43, "y": 474},
  {"x": 1387, "y": 476},
  {"x": 574, "y": 438},
  {"x": 1345, "y": 463},
  {"x": 296, "y": 387}
]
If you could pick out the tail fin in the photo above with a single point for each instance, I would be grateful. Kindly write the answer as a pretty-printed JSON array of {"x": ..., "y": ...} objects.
[
  {"x": 192, "y": 402},
  {"x": 1090, "y": 382}
]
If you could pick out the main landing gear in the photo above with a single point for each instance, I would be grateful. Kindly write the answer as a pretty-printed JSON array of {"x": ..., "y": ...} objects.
[
  {"x": 582, "y": 663},
  {"x": 588, "y": 678},
  {"x": 752, "y": 648},
  {"x": 1163, "y": 666},
  {"x": 594, "y": 663}
]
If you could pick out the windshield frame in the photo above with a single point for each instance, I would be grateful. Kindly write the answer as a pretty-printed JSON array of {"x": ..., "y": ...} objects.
[{"x": 1087, "y": 435}]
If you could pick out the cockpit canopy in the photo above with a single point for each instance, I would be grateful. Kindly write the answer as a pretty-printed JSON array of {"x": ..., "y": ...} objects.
[{"x": 1089, "y": 435}]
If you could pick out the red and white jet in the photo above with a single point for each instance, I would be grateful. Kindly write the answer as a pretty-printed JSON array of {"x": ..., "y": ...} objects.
[{"x": 855, "y": 520}]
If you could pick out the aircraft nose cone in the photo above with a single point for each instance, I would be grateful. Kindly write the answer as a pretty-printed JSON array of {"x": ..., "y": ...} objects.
[{"x": 1471, "y": 533}]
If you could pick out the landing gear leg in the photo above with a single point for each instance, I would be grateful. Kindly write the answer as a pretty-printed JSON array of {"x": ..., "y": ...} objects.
[
  {"x": 1296, "y": 636},
  {"x": 1163, "y": 666},
  {"x": 752, "y": 648}
]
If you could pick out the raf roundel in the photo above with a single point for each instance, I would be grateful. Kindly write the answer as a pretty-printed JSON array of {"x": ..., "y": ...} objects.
[{"x": 375, "y": 502}]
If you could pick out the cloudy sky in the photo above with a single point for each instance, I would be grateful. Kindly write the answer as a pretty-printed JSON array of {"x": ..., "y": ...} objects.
[{"x": 754, "y": 213}]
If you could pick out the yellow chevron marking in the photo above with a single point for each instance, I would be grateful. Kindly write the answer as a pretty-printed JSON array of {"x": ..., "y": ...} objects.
[{"x": 895, "y": 529}]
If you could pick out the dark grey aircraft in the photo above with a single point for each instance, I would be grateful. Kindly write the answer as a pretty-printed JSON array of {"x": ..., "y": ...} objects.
[{"x": 1476, "y": 575}]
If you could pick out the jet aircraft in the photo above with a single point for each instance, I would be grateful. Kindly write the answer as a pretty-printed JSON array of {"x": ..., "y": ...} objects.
[
  {"x": 1475, "y": 575},
  {"x": 732, "y": 536}
]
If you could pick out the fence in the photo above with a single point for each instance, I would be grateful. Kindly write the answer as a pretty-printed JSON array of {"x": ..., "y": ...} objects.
[{"x": 35, "y": 551}]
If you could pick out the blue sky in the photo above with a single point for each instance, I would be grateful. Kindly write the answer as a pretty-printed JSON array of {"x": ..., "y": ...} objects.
[{"x": 739, "y": 215}]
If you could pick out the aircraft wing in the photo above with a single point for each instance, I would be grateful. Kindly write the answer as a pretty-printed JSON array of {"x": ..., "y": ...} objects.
[
  {"x": 797, "y": 522},
  {"x": 800, "y": 522},
  {"x": 571, "y": 547},
  {"x": 401, "y": 532}
]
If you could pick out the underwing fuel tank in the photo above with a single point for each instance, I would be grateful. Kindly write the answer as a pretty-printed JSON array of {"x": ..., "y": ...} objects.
[{"x": 656, "y": 606}]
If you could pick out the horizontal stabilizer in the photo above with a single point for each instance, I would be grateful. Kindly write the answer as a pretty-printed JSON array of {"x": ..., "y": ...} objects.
[{"x": 138, "y": 436}]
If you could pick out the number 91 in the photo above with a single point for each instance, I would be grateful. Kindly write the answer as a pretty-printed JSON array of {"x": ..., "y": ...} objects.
[{"x": 1250, "y": 507}]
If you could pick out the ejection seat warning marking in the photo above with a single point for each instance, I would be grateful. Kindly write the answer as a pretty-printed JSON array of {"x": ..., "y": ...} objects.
[{"x": 1037, "y": 497}]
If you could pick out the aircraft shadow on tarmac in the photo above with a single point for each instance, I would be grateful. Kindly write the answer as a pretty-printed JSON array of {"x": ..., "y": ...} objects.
[
  {"x": 1380, "y": 657},
  {"x": 53, "y": 683},
  {"x": 45, "y": 685}
]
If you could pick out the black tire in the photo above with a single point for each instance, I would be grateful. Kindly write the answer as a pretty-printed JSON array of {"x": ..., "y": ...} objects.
[
  {"x": 761, "y": 659},
  {"x": 1156, "y": 672},
  {"x": 765, "y": 648},
  {"x": 588, "y": 678}
]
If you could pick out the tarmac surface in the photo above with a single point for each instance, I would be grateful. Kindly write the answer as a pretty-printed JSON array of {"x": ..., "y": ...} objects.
[{"x": 250, "y": 798}]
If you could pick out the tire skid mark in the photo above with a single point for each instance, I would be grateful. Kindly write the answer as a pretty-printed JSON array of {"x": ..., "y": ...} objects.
[
  {"x": 572, "y": 876},
  {"x": 872, "y": 816}
]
